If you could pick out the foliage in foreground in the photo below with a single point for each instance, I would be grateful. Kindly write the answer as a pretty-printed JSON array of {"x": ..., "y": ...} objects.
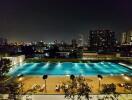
[
  {"x": 8, "y": 85},
  {"x": 77, "y": 86},
  {"x": 4, "y": 67}
]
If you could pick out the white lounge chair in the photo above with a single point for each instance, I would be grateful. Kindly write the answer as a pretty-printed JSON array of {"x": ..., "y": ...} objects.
[
  {"x": 42, "y": 87},
  {"x": 34, "y": 87}
]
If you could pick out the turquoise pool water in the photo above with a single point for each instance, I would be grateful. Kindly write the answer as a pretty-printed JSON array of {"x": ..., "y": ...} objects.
[{"x": 68, "y": 68}]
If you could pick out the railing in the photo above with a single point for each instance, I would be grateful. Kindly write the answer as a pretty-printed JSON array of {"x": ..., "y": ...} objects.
[{"x": 62, "y": 97}]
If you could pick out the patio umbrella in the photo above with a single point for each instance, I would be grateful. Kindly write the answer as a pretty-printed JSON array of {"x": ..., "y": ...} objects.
[
  {"x": 45, "y": 77},
  {"x": 72, "y": 77}
]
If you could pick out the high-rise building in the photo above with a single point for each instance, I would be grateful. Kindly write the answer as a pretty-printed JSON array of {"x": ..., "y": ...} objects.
[
  {"x": 126, "y": 38},
  {"x": 74, "y": 43},
  {"x": 80, "y": 41},
  {"x": 102, "y": 40},
  {"x": 3, "y": 41},
  {"x": 123, "y": 38}
]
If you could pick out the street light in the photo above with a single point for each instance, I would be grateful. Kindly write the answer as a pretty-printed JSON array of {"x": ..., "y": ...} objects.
[
  {"x": 100, "y": 77},
  {"x": 72, "y": 77},
  {"x": 45, "y": 77},
  {"x": 20, "y": 79}
]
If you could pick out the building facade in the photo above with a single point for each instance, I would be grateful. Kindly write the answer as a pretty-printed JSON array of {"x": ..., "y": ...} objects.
[
  {"x": 126, "y": 38},
  {"x": 102, "y": 40},
  {"x": 81, "y": 40},
  {"x": 74, "y": 43},
  {"x": 3, "y": 41}
]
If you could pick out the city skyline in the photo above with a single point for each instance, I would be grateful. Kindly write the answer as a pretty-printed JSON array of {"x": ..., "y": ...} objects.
[{"x": 51, "y": 20}]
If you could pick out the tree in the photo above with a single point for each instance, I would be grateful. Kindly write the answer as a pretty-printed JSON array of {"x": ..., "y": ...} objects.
[
  {"x": 8, "y": 85},
  {"x": 73, "y": 54},
  {"x": 110, "y": 89},
  {"x": 14, "y": 89},
  {"x": 28, "y": 51},
  {"x": 78, "y": 86},
  {"x": 53, "y": 51},
  {"x": 4, "y": 67}
]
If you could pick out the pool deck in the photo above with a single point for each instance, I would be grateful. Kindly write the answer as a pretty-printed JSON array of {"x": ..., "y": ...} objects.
[{"x": 93, "y": 82}]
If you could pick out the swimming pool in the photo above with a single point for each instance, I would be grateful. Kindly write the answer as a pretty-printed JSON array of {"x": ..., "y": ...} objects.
[{"x": 68, "y": 68}]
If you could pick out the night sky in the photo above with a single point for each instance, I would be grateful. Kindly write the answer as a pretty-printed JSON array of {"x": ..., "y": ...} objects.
[{"x": 49, "y": 20}]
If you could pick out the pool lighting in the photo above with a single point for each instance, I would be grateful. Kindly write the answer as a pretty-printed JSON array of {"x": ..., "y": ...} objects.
[
  {"x": 47, "y": 64},
  {"x": 86, "y": 65},
  {"x": 76, "y": 65},
  {"x": 21, "y": 78},
  {"x": 81, "y": 71},
  {"x": 30, "y": 68},
  {"x": 60, "y": 68},
  {"x": 111, "y": 74},
  {"x": 122, "y": 74},
  {"x": 80, "y": 61},
  {"x": 102, "y": 62},
  {"x": 67, "y": 72},
  {"x": 11, "y": 68},
  {"x": 126, "y": 78},
  {"x": 58, "y": 64},
  {"x": 67, "y": 75}
]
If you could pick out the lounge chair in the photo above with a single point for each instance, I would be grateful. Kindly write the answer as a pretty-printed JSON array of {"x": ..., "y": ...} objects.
[
  {"x": 57, "y": 88},
  {"x": 66, "y": 86},
  {"x": 34, "y": 87},
  {"x": 42, "y": 88},
  {"x": 128, "y": 86},
  {"x": 121, "y": 84},
  {"x": 78, "y": 85},
  {"x": 60, "y": 83}
]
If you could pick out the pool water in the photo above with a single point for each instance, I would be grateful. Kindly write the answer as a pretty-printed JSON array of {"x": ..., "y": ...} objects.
[{"x": 68, "y": 68}]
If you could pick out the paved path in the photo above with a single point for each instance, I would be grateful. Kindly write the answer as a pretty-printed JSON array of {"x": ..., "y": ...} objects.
[{"x": 61, "y": 97}]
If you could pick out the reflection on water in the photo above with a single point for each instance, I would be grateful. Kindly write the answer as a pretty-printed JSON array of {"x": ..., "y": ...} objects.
[{"x": 67, "y": 68}]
